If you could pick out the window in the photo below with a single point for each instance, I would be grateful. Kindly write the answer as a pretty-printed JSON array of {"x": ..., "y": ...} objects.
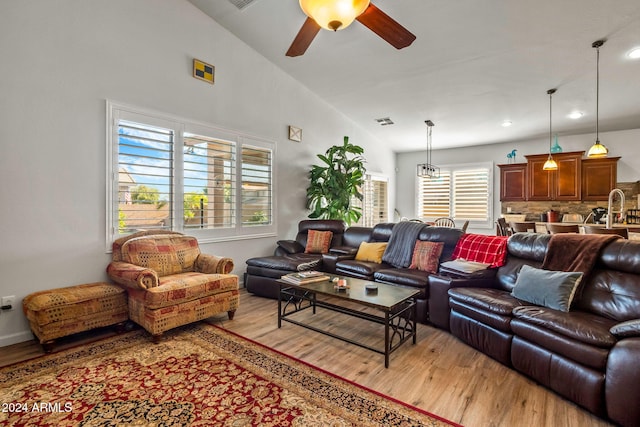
[
  {"x": 169, "y": 174},
  {"x": 463, "y": 192},
  {"x": 374, "y": 204}
]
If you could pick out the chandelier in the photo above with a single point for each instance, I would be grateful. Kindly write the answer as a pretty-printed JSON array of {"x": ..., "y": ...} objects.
[{"x": 428, "y": 170}]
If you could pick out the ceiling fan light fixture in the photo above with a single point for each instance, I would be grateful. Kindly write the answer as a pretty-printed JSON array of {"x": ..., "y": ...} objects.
[{"x": 333, "y": 15}]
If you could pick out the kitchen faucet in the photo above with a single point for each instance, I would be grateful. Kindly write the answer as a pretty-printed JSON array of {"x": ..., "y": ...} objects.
[{"x": 609, "y": 209}]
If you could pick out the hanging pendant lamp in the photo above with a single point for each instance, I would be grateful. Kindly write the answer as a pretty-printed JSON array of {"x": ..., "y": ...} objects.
[
  {"x": 550, "y": 164},
  {"x": 597, "y": 149},
  {"x": 428, "y": 170}
]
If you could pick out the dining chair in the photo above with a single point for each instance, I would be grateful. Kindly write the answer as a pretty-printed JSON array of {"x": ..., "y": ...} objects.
[
  {"x": 562, "y": 228},
  {"x": 590, "y": 229},
  {"x": 502, "y": 228},
  {"x": 519, "y": 227},
  {"x": 444, "y": 222}
]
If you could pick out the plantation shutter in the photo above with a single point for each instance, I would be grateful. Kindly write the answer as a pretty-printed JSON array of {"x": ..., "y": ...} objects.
[
  {"x": 209, "y": 182},
  {"x": 256, "y": 177},
  {"x": 434, "y": 196},
  {"x": 471, "y": 194},
  {"x": 145, "y": 177}
]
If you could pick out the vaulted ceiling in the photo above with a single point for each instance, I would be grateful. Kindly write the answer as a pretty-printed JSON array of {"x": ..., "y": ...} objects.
[{"x": 474, "y": 65}]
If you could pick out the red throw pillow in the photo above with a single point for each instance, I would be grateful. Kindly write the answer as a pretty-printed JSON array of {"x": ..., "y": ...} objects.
[
  {"x": 318, "y": 242},
  {"x": 426, "y": 256},
  {"x": 482, "y": 248}
]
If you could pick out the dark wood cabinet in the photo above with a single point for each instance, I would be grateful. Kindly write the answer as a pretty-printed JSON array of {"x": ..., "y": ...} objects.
[
  {"x": 599, "y": 177},
  {"x": 513, "y": 182},
  {"x": 562, "y": 184}
]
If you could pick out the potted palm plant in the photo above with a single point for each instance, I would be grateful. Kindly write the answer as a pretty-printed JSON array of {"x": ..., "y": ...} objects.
[{"x": 336, "y": 182}]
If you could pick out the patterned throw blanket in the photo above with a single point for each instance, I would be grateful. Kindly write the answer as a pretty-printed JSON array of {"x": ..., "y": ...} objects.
[{"x": 401, "y": 243}]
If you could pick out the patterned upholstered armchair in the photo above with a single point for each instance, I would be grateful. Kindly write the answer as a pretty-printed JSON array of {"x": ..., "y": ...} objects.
[{"x": 170, "y": 282}]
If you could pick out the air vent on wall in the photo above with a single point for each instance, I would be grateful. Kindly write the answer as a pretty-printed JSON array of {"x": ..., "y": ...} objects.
[
  {"x": 241, "y": 4},
  {"x": 384, "y": 121}
]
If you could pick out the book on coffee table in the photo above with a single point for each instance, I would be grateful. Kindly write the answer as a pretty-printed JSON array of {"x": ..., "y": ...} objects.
[{"x": 305, "y": 277}]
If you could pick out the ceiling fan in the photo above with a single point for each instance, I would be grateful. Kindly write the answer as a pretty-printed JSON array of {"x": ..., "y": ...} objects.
[{"x": 338, "y": 14}]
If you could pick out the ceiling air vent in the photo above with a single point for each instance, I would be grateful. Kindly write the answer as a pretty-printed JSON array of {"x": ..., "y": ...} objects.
[
  {"x": 241, "y": 4},
  {"x": 384, "y": 121}
]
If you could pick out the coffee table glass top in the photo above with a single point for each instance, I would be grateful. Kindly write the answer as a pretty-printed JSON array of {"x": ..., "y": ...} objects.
[{"x": 386, "y": 297}]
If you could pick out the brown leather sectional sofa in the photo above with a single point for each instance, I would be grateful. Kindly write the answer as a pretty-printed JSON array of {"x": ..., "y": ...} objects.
[
  {"x": 590, "y": 355},
  {"x": 289, "y": 256}
]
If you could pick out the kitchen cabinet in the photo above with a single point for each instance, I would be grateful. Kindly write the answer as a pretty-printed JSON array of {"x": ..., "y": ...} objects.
[
  {"x": 599, "y": 177},
  {"x": 562, "y": 184},
  {"x": 513, "y": 182}
]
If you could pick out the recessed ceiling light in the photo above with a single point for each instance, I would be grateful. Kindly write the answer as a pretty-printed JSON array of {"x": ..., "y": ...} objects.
[
  {"x": 507, "y": 123},
  {"x": 576, "y": 115},
  {"x": 634, "y": 53}
]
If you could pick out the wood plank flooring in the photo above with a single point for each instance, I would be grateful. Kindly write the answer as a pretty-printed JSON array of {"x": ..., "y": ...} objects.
[{"x": 439, "y": 374}]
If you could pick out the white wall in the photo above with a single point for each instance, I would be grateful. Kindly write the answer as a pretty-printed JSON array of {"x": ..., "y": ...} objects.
[
  {"x": 622, "y": 143},
  {"x": 60, "y": 60}
]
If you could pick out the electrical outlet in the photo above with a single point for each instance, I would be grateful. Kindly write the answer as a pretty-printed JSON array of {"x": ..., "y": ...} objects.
[{"x": 10, "y": 300}]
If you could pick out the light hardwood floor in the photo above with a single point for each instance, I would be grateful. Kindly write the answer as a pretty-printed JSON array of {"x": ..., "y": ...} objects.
[{"x": 439, "y": 374}]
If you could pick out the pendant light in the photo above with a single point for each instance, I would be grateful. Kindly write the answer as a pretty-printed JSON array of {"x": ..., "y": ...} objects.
[
  {"x": 428, "y": 170},
  {"x": 550, "y": 164},
  {"x": 597, "y": 149}
]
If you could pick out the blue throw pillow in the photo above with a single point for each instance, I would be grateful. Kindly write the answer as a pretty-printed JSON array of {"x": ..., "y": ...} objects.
[{"x": 552, "y": 289}]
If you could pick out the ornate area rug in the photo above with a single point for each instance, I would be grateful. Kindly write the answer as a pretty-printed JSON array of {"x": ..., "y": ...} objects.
[{"x": 200, "y": 375}]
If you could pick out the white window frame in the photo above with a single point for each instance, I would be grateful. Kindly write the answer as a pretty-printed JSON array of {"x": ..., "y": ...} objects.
[
  {"x": 488, "y": 223},
  {"x": 116, "y": 111}
]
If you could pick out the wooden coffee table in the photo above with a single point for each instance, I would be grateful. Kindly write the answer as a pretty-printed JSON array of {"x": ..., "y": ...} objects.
[{"x": 397, "y": 306}]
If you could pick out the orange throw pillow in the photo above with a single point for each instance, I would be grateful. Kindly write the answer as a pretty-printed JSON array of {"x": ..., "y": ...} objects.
[
  {"x": 426, "y": 256},
  {"x": 318, "y": 242}
]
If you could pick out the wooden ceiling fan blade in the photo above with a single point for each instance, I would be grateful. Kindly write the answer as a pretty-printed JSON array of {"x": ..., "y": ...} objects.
[
  {"x": 386, "y": 27},
  {"x": 304, "y": 38}
]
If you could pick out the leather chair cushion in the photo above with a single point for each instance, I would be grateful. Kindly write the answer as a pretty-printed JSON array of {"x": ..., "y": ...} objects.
[
  {"x": 493, "y": 320},
  {"x": 579, "y": 326},
  {"x": 585, "y": 354},
  {"x": 292, "y": 262},
  {"x": 359, "y": 268},
  {"x": 403, "y": 276},
  {"x": 491, "y": 300}
]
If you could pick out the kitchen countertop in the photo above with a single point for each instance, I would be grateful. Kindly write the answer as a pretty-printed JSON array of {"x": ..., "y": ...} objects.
[{"x": 633, "y": 228}]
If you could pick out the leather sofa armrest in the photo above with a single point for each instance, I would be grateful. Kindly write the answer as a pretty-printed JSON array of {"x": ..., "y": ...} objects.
[
  {"x": 289, "y": 247},
  {"x": 213, "y": 264},
  {"x": 344, "y": 250},
  {"x": 439, "y": 286},
  {"x": 622, "y": 382},
  {"x": 330, "y": 260},
  {"x": 630, "y": 328},
  {"x": 132, "y": 276}
]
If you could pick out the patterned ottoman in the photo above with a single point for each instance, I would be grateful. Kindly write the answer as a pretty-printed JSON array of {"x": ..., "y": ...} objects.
[{"x": 55, "y": 313}]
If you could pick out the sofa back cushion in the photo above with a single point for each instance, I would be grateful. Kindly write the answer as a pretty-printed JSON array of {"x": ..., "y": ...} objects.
[
  {"x": 490, "y": 250},
  {"x": 447, "y": 235},
  {"x": 356, "y": 235},
  {"x": 522, "y": 249},
  {"x": 337, "y": 228},
  {"x": 165, "y": 254},
  {"x": 382, "y": 232},
  {"x": 612, "y": 289}
]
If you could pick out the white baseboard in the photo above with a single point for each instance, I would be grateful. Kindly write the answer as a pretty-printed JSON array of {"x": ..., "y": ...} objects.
[{"x": 15, "y": 338}]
